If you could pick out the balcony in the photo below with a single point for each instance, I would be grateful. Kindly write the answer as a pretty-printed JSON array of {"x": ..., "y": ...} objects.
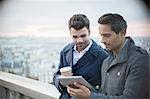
[{"x": 25, "y": 86}]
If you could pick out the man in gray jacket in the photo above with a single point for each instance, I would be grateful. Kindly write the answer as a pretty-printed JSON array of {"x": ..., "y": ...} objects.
[{"x": 125, "y": 73}]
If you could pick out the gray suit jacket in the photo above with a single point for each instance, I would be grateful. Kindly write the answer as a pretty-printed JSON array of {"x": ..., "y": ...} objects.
[{"x": 125, "y": 77}]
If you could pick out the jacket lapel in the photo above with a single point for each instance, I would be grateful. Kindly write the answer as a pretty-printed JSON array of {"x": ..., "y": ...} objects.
[
  {"x": 122, "y": 55},
  {"x": 114, "y": 62},
  {"x": 69, "y": 57},
  {"x": 87, "y": 58}
]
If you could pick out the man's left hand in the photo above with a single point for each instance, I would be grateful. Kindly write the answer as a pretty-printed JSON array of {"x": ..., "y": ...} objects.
[{"x": 81, "y": 91}]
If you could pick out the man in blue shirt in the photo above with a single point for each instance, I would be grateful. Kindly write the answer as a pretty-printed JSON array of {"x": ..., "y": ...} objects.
[{"x": 83, "y": 55}]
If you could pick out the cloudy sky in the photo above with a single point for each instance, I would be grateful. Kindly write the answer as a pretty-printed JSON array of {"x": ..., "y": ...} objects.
[{"x": 50, "y": 17}]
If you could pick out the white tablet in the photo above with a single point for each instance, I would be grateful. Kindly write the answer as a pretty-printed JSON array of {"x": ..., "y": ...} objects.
[{"x": 65, "y": 80}]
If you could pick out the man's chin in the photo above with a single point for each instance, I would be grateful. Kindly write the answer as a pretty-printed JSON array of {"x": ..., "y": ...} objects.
[{"x": 108, "y": 49}]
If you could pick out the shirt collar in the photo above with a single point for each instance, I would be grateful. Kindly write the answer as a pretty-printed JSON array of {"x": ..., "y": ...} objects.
[{"x": 123, "y": 52}]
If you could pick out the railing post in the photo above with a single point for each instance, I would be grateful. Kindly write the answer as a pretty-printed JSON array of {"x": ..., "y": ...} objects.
[{"x": 4, "y": 92}]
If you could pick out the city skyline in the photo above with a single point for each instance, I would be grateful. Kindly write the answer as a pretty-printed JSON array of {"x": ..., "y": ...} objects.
[{"x": 49, "y": 18}]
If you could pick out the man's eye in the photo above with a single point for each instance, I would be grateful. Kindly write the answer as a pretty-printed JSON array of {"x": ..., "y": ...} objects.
[
  {"x": 83, "y": 35},
  {"x": 107, "y": 35},
  {"x": 74, "y": 36}
]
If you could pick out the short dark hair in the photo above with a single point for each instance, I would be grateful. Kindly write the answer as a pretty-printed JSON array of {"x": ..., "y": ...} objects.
[
  {"x": 78, "y": 21},
  {"x": 116, "y": 22}
]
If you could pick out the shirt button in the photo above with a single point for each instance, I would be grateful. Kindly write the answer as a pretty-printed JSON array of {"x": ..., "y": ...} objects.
[
  {"x": 118, "y": 74},
  {"x": 107, "y": 74},
  {"x": 97, "y": 87}
]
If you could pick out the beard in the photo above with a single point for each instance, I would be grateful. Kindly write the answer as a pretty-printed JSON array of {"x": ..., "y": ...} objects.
[
  {"x": 81, "y": 46},
  {"x": 108, "y": 48}
]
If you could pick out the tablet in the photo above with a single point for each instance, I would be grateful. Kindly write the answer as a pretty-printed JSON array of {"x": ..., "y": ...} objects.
[{"x": 65, "y": 80}]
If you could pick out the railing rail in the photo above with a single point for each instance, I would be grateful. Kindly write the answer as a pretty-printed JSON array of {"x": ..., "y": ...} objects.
[{"x": 28, "y": 87}]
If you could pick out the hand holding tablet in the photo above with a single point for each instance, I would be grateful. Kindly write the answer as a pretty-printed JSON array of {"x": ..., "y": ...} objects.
[{"x": 70, "y": 80}]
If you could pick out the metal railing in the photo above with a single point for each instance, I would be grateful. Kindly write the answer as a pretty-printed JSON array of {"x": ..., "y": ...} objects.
[{"x": 25, "y": 86}]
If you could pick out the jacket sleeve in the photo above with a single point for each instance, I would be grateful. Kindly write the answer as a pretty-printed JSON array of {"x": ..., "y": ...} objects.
[
  {"x": 57, "y": 84},
  {"x": 55, "y": 80},
  {"x": 136, "y": 84}
]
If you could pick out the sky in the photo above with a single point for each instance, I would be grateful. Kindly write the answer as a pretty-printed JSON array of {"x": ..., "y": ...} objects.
[{"x": 49, "y": 18}]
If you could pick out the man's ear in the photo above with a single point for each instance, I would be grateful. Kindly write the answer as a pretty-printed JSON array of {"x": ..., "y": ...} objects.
[
  {"x": 123, "y": 31},
  {"x": 89, "y": 31}
]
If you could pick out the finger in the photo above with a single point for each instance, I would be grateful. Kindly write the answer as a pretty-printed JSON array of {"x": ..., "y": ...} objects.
[
  {"x": 71, "y": 91},
  {"x": 82, "y": 88},
  {"x": 79, "y": 85}
]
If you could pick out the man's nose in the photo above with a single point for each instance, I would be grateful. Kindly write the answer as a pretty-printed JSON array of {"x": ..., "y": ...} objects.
[
  {"x": 79, "y": 40},
  {"x": 103, "y": 40}
]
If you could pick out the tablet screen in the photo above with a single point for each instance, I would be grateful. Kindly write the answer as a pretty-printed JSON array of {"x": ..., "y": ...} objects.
[{"x": 65, "y": 80}]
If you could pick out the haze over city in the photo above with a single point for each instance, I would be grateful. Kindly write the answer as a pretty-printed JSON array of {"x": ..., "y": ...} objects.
[{"x": 49, "y": 18}]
